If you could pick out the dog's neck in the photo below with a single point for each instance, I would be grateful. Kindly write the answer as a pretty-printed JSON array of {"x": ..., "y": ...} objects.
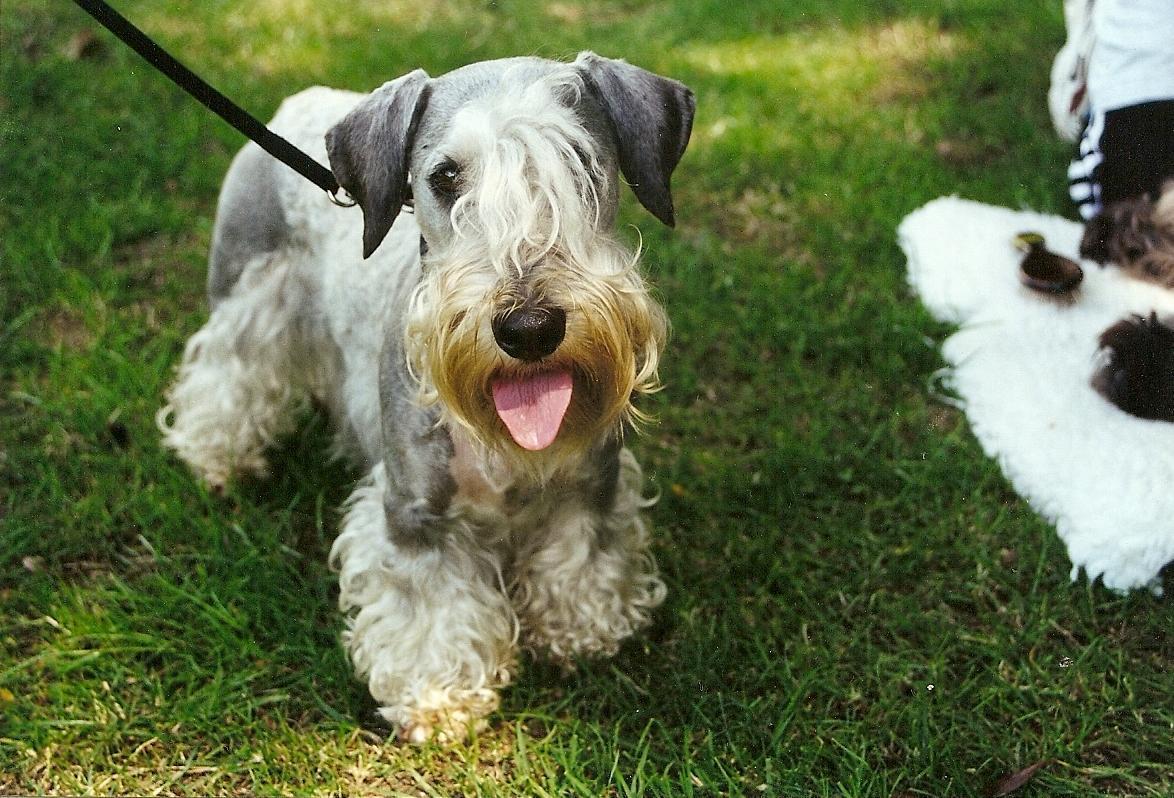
[{"x": 486, "y": 474}]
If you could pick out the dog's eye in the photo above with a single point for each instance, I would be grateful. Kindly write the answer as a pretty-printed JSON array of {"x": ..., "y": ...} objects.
[{"x": 446, "y": 180}]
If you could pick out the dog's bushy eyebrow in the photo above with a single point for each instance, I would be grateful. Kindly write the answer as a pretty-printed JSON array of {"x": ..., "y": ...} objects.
[{"x": 536, "y": 182}]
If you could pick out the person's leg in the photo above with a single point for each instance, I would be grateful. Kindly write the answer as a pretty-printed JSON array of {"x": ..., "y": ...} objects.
[{"x": 1138, "y": 148}]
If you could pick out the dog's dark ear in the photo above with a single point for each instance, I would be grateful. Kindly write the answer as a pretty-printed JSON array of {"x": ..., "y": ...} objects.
[
  {"x": 1094, "y": 243},
  {"x": 652, "y": 117},
  {"x": 369, "y": 152}
]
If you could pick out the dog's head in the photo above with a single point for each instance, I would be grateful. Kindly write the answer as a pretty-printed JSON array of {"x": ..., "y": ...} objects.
[{"x": 531, "y": 325}]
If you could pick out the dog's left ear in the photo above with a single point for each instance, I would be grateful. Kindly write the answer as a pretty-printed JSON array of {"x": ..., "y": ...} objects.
[
  {"x": 652, "y": 117},
  {"x": 369, "y": 152}
]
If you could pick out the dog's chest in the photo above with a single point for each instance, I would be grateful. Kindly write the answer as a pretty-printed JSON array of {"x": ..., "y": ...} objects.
[
  {"x": 489, "y": 494},
  {"x": 474, "y": 485}
]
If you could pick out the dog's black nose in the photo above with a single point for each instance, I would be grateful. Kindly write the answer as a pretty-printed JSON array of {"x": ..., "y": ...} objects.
[{"x": 530, "y": 332}]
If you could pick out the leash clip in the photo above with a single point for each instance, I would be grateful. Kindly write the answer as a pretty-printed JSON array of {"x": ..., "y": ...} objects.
[{"x": 341, "y": 198}]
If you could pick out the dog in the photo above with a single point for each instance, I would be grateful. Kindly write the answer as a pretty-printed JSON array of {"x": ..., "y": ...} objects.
[
  {"x": 481, "y": 362},
  {"x": 1136, "y": 357}
]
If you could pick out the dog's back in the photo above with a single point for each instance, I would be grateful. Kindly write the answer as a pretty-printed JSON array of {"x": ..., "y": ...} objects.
[{"x": 252, "y": 214}]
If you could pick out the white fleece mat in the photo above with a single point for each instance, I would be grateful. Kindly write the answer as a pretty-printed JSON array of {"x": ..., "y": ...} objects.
[{"x": 1021, "y": 364}]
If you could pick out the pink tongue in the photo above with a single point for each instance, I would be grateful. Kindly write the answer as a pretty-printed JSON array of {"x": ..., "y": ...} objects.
[{"x": 533, "y": 407}]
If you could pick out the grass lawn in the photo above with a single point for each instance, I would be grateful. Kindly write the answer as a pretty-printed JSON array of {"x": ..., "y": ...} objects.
[{"x": 859, "y": 604}]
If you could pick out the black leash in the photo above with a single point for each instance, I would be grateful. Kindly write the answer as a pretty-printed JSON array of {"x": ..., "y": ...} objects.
[{"x": 216, "y": 102}]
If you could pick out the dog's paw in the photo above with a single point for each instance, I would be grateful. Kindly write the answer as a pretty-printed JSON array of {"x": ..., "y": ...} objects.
[
  {"x": 445, "y": 728},
  {"x": 214, "y": 457},
  {"x": 217, "y": 478},
  {"x": 450, "y": 717}
]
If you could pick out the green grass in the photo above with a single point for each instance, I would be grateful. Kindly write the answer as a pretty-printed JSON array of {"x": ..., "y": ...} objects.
[{"x": 834, "y": 541}]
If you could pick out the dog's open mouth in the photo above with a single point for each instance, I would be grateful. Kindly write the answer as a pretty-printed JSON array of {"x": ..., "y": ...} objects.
[{"x": 532, "y": 407}]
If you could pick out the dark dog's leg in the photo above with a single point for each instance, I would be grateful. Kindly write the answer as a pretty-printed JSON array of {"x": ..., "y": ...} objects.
[{"x": 1138, "y": 374}]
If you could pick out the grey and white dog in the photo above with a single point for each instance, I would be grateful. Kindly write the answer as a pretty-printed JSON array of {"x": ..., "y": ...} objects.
[{"x": 481, "y": 363}]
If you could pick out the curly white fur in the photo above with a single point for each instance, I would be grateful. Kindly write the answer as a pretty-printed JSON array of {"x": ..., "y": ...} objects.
[
  {"x": 580, "y": 593},
  {"x": 430, "y": 629},
  {"x": 241, "y": 379}
]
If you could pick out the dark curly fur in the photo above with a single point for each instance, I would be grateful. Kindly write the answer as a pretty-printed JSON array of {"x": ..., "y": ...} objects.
[
  {"x": 1137, "y": 235},
  {"x": 1138, "y": 375}
]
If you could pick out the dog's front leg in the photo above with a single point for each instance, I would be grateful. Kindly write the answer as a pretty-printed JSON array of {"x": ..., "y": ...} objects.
[
  {"x": 590, "y": 580},
  {"x": 428, "y": 626}
]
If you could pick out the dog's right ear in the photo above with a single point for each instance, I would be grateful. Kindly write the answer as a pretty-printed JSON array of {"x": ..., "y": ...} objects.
[
  {"x": 652, "y": 117},
  {"x": 369, "y": 152}
]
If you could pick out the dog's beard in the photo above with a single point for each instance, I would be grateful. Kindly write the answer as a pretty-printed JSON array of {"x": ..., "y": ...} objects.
[{"x": 609, "y": 355}]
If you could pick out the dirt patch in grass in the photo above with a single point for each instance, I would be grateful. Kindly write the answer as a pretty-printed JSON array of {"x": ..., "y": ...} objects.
[{"x": 66, "y": 328}]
